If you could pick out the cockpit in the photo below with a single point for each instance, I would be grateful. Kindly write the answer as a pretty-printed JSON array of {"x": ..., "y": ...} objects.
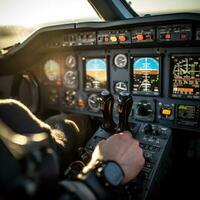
[{"x": 133, "y": 61}]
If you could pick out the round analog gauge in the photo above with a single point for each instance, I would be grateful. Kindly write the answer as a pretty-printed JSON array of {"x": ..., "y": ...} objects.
[
  {"x": 70, "y": 62},
  {"x": 70, "y": 79},
  {"x": 120, "y": 60},
  {"x": 70, "y": 98},
  {"x": 52, "y": 70},
  {"x": 120, "y": 86},
  {"x": 93, "y": 102}
]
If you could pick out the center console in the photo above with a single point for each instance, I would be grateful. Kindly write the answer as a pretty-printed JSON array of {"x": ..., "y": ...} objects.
[{"x": 155, "y": 140}]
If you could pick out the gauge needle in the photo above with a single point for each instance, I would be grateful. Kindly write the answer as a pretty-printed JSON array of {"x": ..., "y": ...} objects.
[
  {"x": 92, "y": 101},
  {"x": 70, "y": 60},
  {"x": 122, "y": 88}
]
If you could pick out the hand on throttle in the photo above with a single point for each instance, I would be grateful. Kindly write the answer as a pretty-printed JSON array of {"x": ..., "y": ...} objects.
[{"x": 123, "y": 149}]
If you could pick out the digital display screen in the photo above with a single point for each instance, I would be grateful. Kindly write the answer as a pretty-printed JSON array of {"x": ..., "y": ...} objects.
[
  {"x": 187, "y": 115},
  {"x": 146, "y": 76},
  {"x": 185, "y": 74},
  {"x": 52, "y": 70},
  {"x": 95, "y": 73}
]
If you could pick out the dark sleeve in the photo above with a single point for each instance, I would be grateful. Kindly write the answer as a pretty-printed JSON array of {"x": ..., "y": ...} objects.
[
  {"x": 87, "y": 186},
  {"x": 76, "y": 190},
  {"x": 20, "y": 119}
]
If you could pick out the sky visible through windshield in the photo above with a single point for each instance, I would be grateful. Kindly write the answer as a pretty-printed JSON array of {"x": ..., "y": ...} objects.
[
  {"x": 36, "y": 12},
  {"x": 143, "y": 7},
  {"x": 19, "y": 18}
]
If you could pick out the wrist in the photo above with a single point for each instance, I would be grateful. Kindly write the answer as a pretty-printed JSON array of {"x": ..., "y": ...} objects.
[{"x": 110, "y": 173}]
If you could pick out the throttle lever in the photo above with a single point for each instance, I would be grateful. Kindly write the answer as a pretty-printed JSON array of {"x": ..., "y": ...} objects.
[
  {"x": 124, "y": 107},
  {"x": 106, "y": 101}
]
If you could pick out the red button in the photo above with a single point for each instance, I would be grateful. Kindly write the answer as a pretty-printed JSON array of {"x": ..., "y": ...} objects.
[
  {"x": 122, "y": 38},
  {"x": 168, "y": 36},
  {"x": 139, "y": 37},
  {"x": 58, "y": 82}
]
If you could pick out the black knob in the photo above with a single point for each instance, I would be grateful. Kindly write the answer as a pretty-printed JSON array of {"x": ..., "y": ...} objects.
[
  {"x": 106, "y": 101},
  {"x": 125, "y": 103},
  {"x": 148, "y": 156},
  {"x": 144, "y": 109}
]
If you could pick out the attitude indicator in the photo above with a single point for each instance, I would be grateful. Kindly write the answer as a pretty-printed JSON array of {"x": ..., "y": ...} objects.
[{"x": 146, "y": 76}]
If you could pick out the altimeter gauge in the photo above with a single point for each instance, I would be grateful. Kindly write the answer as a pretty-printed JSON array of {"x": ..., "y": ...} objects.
[
  {"x": 70, "y": 79},
  {"x": 70, "y": 62},
  {"x": 93, "y": 102},
  {"x": 120, "y": 60}
]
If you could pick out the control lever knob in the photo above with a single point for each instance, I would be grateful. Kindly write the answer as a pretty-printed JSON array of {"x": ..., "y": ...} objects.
[
  {"x": 106, "y": 101},
  {"x": 125, "y": 103}
]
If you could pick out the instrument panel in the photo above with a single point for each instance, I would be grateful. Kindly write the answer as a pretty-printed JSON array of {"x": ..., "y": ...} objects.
[
  {"x": 159, "y": 65},
  {"x": 152, "y": 79}
]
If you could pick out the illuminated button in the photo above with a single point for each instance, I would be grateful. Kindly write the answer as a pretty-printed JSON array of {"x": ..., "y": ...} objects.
[
  {"x": 168, "y": 36},
  {"x": 140, "y": 37},
  {"x": 113, "y": 38},
  {"x": 58, "y": 82},
  {"x": 81, "y": 103},
  {"x": 189, "y": 90},
  {"x": 166, "y": 112},
  {"x": 122, "y": 38}
]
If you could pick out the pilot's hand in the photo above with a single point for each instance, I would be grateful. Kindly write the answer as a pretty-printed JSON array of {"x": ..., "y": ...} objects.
[{"x": 123, "y": 149}]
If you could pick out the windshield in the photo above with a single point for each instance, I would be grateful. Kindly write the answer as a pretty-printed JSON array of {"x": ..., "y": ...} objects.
[
  {"x": 18, "y": 18},
  {"x": 154, "y": 7}
]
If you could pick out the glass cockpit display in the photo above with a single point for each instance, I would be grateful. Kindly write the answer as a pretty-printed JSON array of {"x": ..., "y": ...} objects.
[
  {"x": 52, "y": 70},
  {"x": 185, "y": 75},
  {"x": 146, "y": 76},
  {"x": 187, "y": 115},
  {"x": 95, "y": 73}
]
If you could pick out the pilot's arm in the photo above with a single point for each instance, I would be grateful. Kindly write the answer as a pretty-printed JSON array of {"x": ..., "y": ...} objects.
[{"x": 115, "y": 161}]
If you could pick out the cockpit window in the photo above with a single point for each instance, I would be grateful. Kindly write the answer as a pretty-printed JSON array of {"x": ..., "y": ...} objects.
[
  {"x": 153, "y": 7},
  {"x": 19, "y": 18}
]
